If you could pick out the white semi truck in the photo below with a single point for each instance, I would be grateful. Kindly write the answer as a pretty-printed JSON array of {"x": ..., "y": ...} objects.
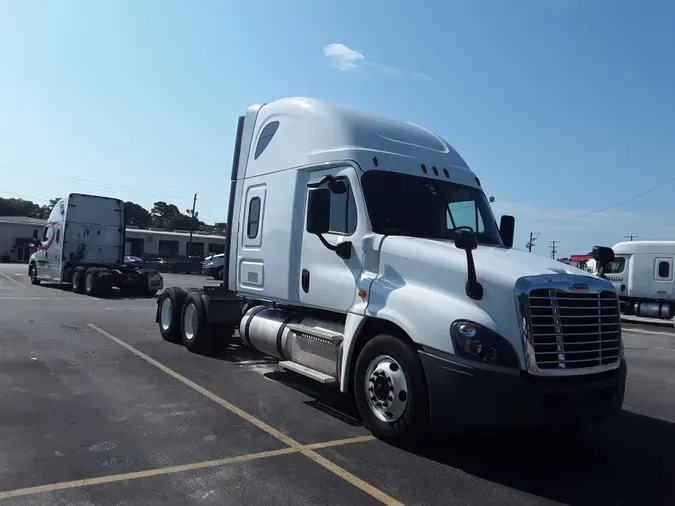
[
  {"x": 83, "y": 246},
  {"x": 643, "y": 276},
  {"x": 364, "y": 253}
]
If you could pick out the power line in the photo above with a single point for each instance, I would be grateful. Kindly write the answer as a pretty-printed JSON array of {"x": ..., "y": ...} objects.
[
  {"x": 84, "y": 181},
  {"x": 613, "y": 205},
  {"x": 554, "y": 248}
]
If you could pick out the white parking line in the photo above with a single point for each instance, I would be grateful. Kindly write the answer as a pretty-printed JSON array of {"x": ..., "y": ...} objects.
[{"x": 14, "y": 280}]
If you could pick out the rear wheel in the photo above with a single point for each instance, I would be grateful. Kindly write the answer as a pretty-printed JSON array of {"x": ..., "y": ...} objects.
[
  {"x": 91, "y": 282},
  {"x": 32, "y": 274},
  {"x": 197, "y": 334},
  {"x": 219, "y": 273},
  {"x": 169, "y": 310},
  {"x": 390, "y": 389},
  {"x": 77, "y": 281}
]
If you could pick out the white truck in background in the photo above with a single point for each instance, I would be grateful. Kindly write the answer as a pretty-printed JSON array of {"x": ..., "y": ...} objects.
[
  {"x": 83, "y": 246},
  {"x": 364, "y": 253},
  {"x": 643, "y": 276}
]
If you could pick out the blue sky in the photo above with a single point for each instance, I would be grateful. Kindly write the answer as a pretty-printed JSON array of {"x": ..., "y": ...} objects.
[{"x": 561, "y": 107}]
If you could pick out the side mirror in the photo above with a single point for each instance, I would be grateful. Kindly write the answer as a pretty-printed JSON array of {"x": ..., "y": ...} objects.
[
  {"x": 318, "y": 210},
  {"x": 603, "y": 254},
  {"x": 507, "y": 228},
  {"x": 35, "y": 236},
  {"x": 466, "y": 240}
]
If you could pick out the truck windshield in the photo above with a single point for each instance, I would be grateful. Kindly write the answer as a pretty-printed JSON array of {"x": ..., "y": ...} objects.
[{"x": 401, "y": 204}]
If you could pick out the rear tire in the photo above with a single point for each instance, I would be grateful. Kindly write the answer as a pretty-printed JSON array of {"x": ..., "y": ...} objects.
[
  {"x": 390, "y": 390},
  {"x": 169, "y": 310},
  {"x": 219, "y": 274},
  {"x": 32, "y": 274},
  {"x": 197, "y": 334},
  {"x": 77, "y": 281},
  {"x": 91, "y": 282}
]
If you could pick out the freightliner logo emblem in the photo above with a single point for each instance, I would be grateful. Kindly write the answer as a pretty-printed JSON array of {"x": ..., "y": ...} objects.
[{"x": 579, "y": 287}]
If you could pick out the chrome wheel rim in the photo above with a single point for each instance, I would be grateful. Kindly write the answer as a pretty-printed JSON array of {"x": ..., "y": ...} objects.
[
  {"x": 165, "y": 314},
  {"x": 89, "y": 282},
  {"x": 190, "y": 322},
  {"x": 386, "y": 389}
]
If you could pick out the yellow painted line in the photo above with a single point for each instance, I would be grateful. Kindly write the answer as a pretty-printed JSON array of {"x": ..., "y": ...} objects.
[
  {"x": 307, "y": 451},
  {"x": 54, "y": 487},
  {"x": 13, "y": 280}
]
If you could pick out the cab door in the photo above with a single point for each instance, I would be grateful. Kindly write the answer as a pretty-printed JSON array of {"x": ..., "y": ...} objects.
[
  {"x": 41, "y": 255},
  {"x": 54, "y": 252},
  {"x": 326, "y": 280}
]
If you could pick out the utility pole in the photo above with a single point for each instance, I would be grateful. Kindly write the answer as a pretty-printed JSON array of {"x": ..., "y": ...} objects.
[
  {"x": 554, "y": 248},
  {"x": 630, "y": 237},
  {"x": 192, "y": 215},
  {"x": 530, "y": 243}
]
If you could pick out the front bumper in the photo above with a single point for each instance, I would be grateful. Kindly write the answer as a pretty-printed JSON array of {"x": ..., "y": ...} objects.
[{"x": 462, "y": 394}]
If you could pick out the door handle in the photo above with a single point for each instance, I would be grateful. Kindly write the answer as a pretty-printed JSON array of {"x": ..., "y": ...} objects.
[{"x": 305, "y": 280}]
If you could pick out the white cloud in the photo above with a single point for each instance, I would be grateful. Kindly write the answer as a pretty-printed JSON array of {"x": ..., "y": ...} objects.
[
  {"x": 343, "y": 57},
  {"x": 419, "y": 75}
]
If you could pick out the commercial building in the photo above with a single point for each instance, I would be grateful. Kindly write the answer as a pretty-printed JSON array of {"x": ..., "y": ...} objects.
[
  {"x": 164, "y": 244},
  {"x": 16, "y": 234}
]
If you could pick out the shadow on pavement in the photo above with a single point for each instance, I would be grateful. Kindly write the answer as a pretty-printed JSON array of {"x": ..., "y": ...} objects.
[{"x": 628, "y": 459}]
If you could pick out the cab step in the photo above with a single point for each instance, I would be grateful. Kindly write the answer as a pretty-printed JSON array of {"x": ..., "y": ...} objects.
[
  {"x": 306, "y": 371},
  {"x": 316, "y": 333}
]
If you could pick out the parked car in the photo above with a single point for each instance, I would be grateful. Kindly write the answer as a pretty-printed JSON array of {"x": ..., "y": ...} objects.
[
  {"x": 133, "y": 261},
  {"x": 213, "y": 266}
]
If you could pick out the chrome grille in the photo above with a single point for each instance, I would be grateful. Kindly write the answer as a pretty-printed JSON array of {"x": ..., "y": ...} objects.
[{"x": 570, "y": 330}]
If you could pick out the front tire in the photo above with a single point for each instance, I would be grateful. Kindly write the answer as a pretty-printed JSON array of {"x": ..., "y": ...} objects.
[
  {"x": 32, "y": 274},
  {"x": 390, "y": 389}
]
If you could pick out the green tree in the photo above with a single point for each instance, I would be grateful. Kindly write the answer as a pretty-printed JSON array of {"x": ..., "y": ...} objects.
[
  {"x": 182, "y": 222},
  {"x": 162, "y": 213},
  {"x": 46, "y": 210},
  {"x": 137, "y": 215},
  {"x": 19, "y": 207}
]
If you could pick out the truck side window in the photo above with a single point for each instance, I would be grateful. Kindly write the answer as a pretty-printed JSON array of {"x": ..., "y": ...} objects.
[
  {"x": 265, "y": 138},
  {"x": 253, "y": 218},
  {"x": 342, "y": 212},
  {"x": 58, "y": 235},
  {"x": 664, "y": 269},
  {"x": 465, "y": 214},
  {"x": 46, "y": 233}
]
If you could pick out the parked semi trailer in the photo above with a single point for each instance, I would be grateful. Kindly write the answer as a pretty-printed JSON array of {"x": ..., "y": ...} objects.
[
  {"x": 83, "y": 246},
  {"x": 364, "y": 253}
]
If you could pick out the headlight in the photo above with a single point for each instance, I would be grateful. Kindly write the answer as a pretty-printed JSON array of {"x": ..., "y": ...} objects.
[{"x": 479, "y": 344}]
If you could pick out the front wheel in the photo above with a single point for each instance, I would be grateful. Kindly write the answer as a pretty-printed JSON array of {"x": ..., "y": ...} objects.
[
  {"x": 390, "y": 389},
  {"x": 32, "y": 274}
]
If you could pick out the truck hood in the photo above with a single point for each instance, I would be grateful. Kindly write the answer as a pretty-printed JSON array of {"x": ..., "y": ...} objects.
[{"x": 500, "y": 266}]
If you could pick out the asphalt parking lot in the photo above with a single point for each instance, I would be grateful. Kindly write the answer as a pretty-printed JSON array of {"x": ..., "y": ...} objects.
[{"x": 95, "y": 408}]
